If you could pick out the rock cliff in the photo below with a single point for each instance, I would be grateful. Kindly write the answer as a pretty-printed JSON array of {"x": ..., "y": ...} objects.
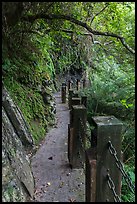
[{"x": 17, "y": 178}]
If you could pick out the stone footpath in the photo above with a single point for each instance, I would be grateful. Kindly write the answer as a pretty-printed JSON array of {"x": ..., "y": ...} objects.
[{"x": 55, "y": 181}]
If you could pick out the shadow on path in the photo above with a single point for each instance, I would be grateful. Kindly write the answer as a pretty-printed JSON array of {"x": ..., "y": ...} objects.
[{"x": 55, "y": 181}]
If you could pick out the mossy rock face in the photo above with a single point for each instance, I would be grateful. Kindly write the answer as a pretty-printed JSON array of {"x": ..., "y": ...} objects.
[
  {"x": 46, "y": 94},
  {"x": 48, "y": 90},
  {"x": 17, "y": 178},
  {"x": 16, "y": 118},
  {"x": 12, "y": 190},
  {"x": 39, "y": 130}
]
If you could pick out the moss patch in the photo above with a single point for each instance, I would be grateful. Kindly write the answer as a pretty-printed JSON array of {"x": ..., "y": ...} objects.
[{"x": 30, "y": 102}]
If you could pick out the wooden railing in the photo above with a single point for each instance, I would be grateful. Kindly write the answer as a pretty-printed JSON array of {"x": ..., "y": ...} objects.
[{"x": 97, "y": 150}]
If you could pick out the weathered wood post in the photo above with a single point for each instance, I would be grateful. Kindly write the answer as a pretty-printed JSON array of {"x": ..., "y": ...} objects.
[
  {"x": 84, "y": 101},
  {"x": 68, "y": 141},
  {"x": 63, "y": 92},
  {"x": 69, "y": 84},
  {"x": 70, "y": 97},
  {"x": 108, "y": 129},
  {"x": 84, "y": 83},
  {"x": 79, "y": 112},
  {"x": 74, "y": 101},
  {"x": 90, "y": 175},
  {"x": 77, "y": 84}
]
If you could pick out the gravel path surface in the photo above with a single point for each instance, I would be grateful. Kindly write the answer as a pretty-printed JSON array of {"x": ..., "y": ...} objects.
[{"x": 55, "y": 181}]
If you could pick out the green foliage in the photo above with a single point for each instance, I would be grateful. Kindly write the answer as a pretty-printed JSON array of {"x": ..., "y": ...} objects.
[
  {"x": 33, "y": 56},
  {"x": 38, "y": 130},
  {"x": 127, "y": 195},
  {"x": 112, "y": 93}
]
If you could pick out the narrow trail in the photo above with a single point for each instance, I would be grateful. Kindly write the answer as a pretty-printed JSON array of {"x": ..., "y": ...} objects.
[{"x": 55, "y": 181}]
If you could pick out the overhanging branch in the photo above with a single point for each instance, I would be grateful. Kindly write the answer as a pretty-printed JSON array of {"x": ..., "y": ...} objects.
[
  {"x": 32, "y": 18},
  {"x": 99, "y": 12},
  {"x": 37, "y": 32}
]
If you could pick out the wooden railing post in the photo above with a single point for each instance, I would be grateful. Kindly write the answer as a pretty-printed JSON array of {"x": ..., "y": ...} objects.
[
  {"x": 90, "y": 175},
  {"x": 78, "y": 112},
  {"x": 77, "y": 84},
  {"x": 74, "y": 101},
  {"x": 108, "y": 128},
  {"x": 69, "y": 85},
  {"x": 84, "y": 83},
  {"x": 84, "y": 101},
  {"x": 70, "y": 98},
  {"x": 63, "y": 92}
]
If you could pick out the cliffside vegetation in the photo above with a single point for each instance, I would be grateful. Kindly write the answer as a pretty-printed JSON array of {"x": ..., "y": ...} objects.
[{"x": 42, "y": 41}]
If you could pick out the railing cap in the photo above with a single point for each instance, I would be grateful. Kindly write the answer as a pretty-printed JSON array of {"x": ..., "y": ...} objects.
[
  {"x": 71, "y": 90},
  {"x": 76, "y": 98},
  {"x": 106, "y": 120},
  {"x": 79, "y": 107}
]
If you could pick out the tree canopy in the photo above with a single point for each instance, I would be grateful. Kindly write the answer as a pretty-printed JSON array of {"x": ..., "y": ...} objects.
[
  {"x": 44, "y": 40},
  {"x": 107, "y": 19}
]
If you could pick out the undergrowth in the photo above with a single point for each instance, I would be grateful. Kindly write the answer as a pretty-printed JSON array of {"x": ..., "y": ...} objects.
[{"x": 112, "y": 93}]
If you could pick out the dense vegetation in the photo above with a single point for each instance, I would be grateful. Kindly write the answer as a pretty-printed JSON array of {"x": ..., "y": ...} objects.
[{"x": 42, "y": 41}]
